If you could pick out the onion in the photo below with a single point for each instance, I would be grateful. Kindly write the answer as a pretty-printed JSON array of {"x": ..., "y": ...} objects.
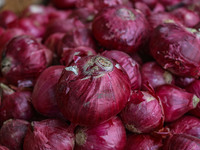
[
  {"x": 143, "y": 113},
  {"x": 92, "y": 90},
  {"x": 143, "y": 8},
  {"x": 170, "y": 2},
  {"x": 187, "y": 125},
  {"x": 24, "y": 59},
  {"x": 176, "y": 102},
  {"x": 48, "y": 135},
  {"x": 143, "y": 142},
  {"x": 183, "y": 82},
  {"x": 64, "y": 4},
  {"x": 15, "y": 104},
  {"x": 155, "y": 75},
  {"x": 182, "y": 142},
  {"x": 131, "y": 67},
  {"x": 3, "y": 148},
  {"x": 176, "y": 50},
  {"x": 73, "y": 54},
  {"x": 12, "y": 133},
  {"x": 158, "y": 8},
  {"x": 187, "y": 17},
  {"x": 106, "y": 136},
  {"x": 7, "y": 17},
  {"x": 121, "y": 28},
  {"x": 44, "y": 96},
  {"x": 194, "y": 88},
  {"x": 149, "y": 3}
]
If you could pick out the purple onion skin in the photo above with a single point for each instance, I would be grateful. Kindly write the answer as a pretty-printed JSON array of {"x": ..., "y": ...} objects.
[
  {"x": 44, "y": 96},
  {"x": 194, "y": 88},
  {"x": 92, "y": 90},
  {"x": 12, "y": 133},
  {"x": 3, "y": 148},
  {"x": 149, "y": 3},
  {"x": 170, "y": 2},
  {"x": 64, "y": 4},
  {"x": 155, "y": 75},
  {"x": 143, "y": 142},
  {"x": 15, "y": 104},
  {"x": 49, "y": 134},
  {"x": 186, "y": 125},
  {"x": 143, "y": 8},
  {"x": 72, "y": 54},
  {"x": 176, "y": 101},
  {"x": 24, "y": 59},
  {"x": 7, "y": 17},
  {"x": 121, "y": 28},
  {"x": 176, "y": 49},
  {"x": 183, "y": 82},
  {"x": 131, "y": 67},
  {"x": 187, "y": 17},
  {"x": 110, "y": 135},
  {"x": 143, "y": 113},
  {"x": 182, "y": 142}
]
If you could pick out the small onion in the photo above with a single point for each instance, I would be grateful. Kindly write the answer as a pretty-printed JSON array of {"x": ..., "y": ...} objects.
[
  {"x": 12, "y": 133},
  {"x": 24, "y": 59},
  {"x": 182, "y": 142},
  {"x": 92, "y": 90},
  {"x": 176, "y": 101},
  {"x": 131, "y": 67},
  {"x": 187, "y": 125},
  {"x": 143, "y": 142},
  {"x": 121, "y": 28},
  {"x": 49, "y": 135},
  {"x": 44, "y": 96},
  {"x": 143, "y": 113},
  {"x": 106, "y": 136},
  {"x": 7, "y": 17},
  {"x": 72, "y": 54},
  {"x": 176, "y": 49},
  {"x": 15, "y": 104},
  {"x": 155, "y": 75}
]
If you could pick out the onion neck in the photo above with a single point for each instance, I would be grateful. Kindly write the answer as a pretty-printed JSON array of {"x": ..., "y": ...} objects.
[
  {"x": 6, "y": 90},
  {"x": 125, "y": 14},
  {"x": 81, "y": 138},
  {"x": 195, "y": 101}
]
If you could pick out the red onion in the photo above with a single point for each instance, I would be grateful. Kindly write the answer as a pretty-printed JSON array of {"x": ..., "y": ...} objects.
[
  {"x": 64, "y": 4},
  {"x": 106, "y": 136},
  {"x": 155, "y": 75},
  {"x": 12, "y": 133},
  {"x": 143, "y": 113},
  {"x": 73, "y": 54},
  {"x": 92, "y": 90},
  {"x": 143, "y": 142},
  {"x": 176, "y": 50},
  {"x": 1, "y": 30},
  {"x": 158, "y": 8},
  {"x": 143, "y": 8},
  {"x": 121, "y": 28},
  {"x": 194, "y": 88},
  {"x": 187, "y": 125},
  {"x": 169, "y": 2},
  {"x": 15, "y": 104},
  {"x": 3, "y": 148},
  {"x": 150, "y": 3},
  {"x": 131, "y": 67},
  {"x": 43, "y": 97},
  {"x": 182, "y": 142},
  {"x": 24, "y": 59},
  {"x": 48, "y": 135},
  {"x": 187, "y": 17},
  {"x": 183, "y": 82},
  {"x": 176, "y": 102},
  {"x": 7, "y": 17},
  {"x": 28, "y": 25}
]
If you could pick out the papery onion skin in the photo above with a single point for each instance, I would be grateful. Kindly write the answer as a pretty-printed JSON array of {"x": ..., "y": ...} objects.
[
  {"x": 121, "y": 28},
  {"x": 44, "y": 96},
  {"x": 143, "y": 8},
  {"x": 72, "y": 54},
  {"x": 106, "y": 136},
  {"x": 131, "y": 67},
  {"x": 143, "y": 113},
  {"x": 176, "y": 50},
  {"x": 155, "y": 75},
  {"x": 24, "y": 59},
  {"x": 183, "y": 82},
  {"x": 7, "y": 17},
  {"x": 194, "y": 88},
  {"x": 92, "y": 90},
  {"x": 64, "y": 4},
  {"x": 3, "y": 148},
  {"x": 49, "y": 134},
  {"x": 149, "y": 3},
  {"x": 170, "y": 2},
  {"x": 186, "y": 125},
  {"x": 15, "y": 104},
  {"x": 182, "y": 142},
  {"x": 12, "y": 133},
  {"x": 143, "y": 142},
  {"x": 176, "y": 101}
]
